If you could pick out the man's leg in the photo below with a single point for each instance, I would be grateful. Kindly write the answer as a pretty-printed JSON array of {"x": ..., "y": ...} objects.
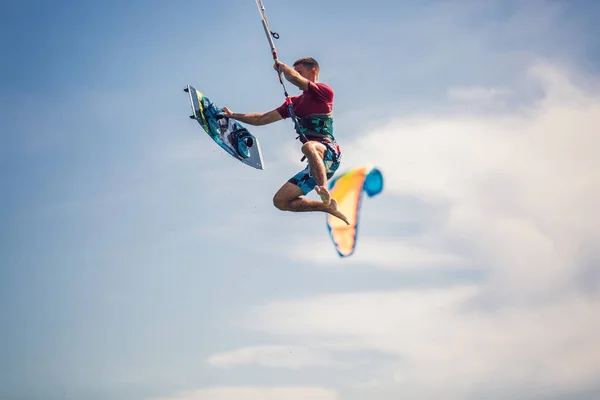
[
  {"x": 315, "y": 152},
  {"x": 290, "y": 198}
]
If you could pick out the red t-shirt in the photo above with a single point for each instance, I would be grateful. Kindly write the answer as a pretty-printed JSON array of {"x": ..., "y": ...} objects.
[{"x": 316, "y": 99}]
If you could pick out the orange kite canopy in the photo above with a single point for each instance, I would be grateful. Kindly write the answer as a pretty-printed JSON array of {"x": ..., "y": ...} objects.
[{"x": 347, "y": 189}]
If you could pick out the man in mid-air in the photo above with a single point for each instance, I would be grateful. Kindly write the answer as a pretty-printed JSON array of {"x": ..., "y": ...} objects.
[{"x": 313, "y": 108}]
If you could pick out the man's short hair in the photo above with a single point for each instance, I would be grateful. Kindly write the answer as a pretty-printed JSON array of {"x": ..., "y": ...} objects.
[{"x": 308, "y": 62}]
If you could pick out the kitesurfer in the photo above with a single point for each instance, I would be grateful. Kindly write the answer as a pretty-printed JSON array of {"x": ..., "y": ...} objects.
[{"x": 313, "y": 108}]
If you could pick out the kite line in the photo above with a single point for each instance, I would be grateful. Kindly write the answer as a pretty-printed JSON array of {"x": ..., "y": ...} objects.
[{"x": 270, "y": 35}]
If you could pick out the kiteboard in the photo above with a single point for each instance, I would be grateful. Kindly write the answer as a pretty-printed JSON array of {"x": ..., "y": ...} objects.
[{"x": 228, "y": 133}]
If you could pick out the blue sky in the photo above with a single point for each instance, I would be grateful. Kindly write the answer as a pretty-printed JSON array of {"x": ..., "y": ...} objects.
[{"x": 138, "y": 261}]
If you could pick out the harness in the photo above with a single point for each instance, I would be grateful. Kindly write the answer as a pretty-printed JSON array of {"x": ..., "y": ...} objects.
[{"x": 319, "y": 127}]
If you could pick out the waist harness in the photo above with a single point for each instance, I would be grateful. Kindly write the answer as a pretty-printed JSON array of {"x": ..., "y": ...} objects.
[{"x": 318, "y": 126}]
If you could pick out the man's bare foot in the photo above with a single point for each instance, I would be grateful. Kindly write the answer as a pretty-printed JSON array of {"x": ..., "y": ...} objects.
[
  {"x": 324, "y": 194},
  {"x": 333, "y": 210}
]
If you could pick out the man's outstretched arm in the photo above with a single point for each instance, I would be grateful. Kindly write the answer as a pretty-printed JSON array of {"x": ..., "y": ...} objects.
[{"x": 254, "y": 119}]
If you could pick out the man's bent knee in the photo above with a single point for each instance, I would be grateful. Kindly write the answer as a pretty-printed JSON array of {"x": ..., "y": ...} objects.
[
  {"x": 312, "y": 147},
  {"x": 286, "y": 194},
  {"x": 307, "y": 148},
  {"x": 281, "y": 203}
]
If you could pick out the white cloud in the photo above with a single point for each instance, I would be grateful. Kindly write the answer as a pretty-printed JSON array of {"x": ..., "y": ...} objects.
[
  {"x": 445, "y": 347},
  {"x": 521, "y": 189},
  {"x": 272, "y": 356},
  {"x": 256, "y": 393}
]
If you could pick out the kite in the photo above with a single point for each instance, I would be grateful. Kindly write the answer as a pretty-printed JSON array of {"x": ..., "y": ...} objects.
[{"x": 348, "y": 189}]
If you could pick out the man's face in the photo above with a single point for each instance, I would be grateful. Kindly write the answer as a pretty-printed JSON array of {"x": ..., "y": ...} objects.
[{"x": 304, "y": 72}]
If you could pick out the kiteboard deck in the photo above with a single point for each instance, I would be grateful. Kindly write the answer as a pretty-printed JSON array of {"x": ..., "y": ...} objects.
[{"x": 228, "y": 133}]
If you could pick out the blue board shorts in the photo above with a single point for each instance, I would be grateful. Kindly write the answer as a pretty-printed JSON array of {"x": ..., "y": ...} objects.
[{"x": 331, "y": 159}]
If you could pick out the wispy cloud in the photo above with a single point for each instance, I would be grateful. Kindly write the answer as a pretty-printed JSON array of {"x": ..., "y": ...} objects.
[
  {"x": 253, "y": 393},
  {"x": 478, "y": 93},
  {"x": 272, "y": 356},
  {"x": 383, "y": 252},
  {"x": 520, "y": 188},
  {"x": 443, "y": 346}
]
